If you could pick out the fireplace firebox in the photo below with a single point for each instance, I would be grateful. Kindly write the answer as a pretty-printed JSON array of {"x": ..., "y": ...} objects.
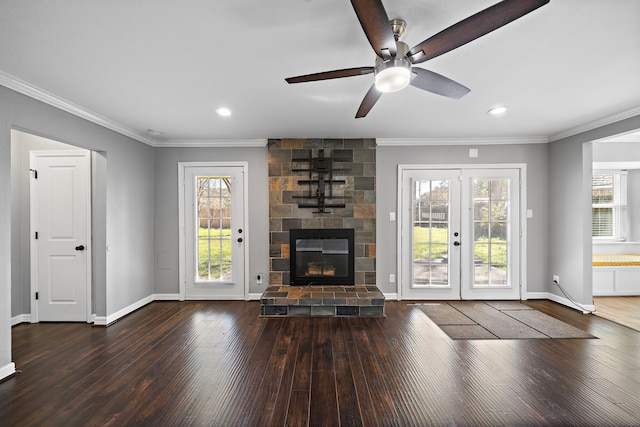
[{"x": 322, "y": 256}]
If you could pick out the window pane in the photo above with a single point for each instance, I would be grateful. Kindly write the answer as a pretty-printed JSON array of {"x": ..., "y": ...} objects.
[
  {"x": 602, "y": 188},
  {"x": 602, "y": 222},
  {"x": 490, "y": 231},
  {"x": 213, "y": 225},
  {"x": 430, "y": 233}
]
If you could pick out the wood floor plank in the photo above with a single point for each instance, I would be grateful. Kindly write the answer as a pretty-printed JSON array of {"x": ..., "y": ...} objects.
[
  {"x": 298, "y": 415},
  {"x": 323, "y": 407},
  {"x": 219, "y": 364}
]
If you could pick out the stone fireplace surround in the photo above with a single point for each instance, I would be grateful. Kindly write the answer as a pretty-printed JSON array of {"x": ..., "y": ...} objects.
[{"x": 359, "y": 213}]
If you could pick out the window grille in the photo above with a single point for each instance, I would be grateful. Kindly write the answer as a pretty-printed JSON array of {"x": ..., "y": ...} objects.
[{"x": 609, "y": 205}]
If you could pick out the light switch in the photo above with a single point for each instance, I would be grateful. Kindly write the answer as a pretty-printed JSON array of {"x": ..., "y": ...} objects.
[
  {"x": 529, "y": 213},
  {"x": 473, "y": 152},
  {"x": 392, "y": 216}
]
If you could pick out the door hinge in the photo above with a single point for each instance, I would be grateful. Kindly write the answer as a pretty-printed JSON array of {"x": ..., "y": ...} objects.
[
  {"x": 35, "y": 173},
  {"x": 36, "y": 235},
  {"x": 37, "y": 296}
]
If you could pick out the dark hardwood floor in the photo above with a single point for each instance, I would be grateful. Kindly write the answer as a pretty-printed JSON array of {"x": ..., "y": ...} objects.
[{"x": 217, "y": 363}]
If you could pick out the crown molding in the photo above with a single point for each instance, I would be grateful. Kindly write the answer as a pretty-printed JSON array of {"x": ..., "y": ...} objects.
[
  {"x": 595, "y": 124},
  {"x": 42, "y": 95},
  {"x": 32, "y": 91},
  {"x": 461, "y": 141},
  {"x": 213, "y": 143}
]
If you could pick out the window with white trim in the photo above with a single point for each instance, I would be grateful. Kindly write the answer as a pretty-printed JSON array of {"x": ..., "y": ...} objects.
[{"x": 609, "y": 205}]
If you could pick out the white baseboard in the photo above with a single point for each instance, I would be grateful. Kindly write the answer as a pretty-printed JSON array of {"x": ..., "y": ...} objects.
[
  {"x": 585, "y": 308},
  {"x": 7, "y": 370},
  {"x": 391, "y": 296},
  {"x": 105, "y": 321},
  {"x": 536, "y": 295},
  {"x": 21, "y": 318},
  {"x": 255, "y": 297}
]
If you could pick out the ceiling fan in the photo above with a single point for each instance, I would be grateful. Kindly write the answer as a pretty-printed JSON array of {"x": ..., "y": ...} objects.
[{"x": 393, "y": 69}]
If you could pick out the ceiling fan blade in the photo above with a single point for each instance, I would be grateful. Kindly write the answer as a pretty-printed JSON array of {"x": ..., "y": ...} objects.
[
  {"x": 368, "y": 102},
  {"x": 436, "y": 83},
  {"x": 375, "y": 23},
  {"x": 473, "y": 27},
  {"x": 326, "y": 75}
]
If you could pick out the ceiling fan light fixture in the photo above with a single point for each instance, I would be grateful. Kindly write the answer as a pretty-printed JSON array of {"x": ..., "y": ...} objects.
[{"x": 392, "y": 76}]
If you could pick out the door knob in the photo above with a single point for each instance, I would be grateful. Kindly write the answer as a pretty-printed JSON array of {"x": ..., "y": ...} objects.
[
  {"x": 80, "y": 248},
  {"x": 456, "y": 243},
  {"x": 239, "y": 239}
]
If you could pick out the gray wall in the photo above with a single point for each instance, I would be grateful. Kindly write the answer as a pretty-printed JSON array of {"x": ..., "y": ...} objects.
[
  {"x": 535, "y": 156},
  {"x": 166, "y": 210},
  {"x": 570, "y": 164},
  {"x": 129, "y": 215}
]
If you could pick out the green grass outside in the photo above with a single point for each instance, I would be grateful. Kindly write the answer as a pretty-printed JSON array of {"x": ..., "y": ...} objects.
[
  {"x": 217, "y": 253},
  {"x": 439, "y": 235}
]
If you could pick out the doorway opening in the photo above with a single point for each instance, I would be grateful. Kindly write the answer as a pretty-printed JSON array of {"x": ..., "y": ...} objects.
[{"x": 24, "y": 306}]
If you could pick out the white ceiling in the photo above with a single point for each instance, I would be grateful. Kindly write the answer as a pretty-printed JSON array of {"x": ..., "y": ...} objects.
[{"x": 167, "y": 65}]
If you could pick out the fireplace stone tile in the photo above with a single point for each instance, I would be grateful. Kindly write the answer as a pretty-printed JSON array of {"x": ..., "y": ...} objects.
[
  {"x": 334, "y": 301},
  {"x": 347, "y": 310},
  {"x": 310, "y": 301},
  {"x": 300, "y": 310},
  {"x": 323, "y": 310}
]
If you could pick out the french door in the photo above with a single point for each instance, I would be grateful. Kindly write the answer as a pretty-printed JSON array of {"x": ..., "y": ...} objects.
[
  {"x": 460, "y": 233},
  {"x": 215, "y": 234}
]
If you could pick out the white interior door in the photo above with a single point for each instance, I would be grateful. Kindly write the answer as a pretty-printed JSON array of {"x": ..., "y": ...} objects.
[
  {"x": 215, "y": 232},
  {"x": 460, "y": 234},
  {"x": 60, "y": 230}
]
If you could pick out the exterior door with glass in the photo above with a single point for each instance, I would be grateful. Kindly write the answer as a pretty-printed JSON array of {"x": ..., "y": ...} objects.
[
  {"x": 215, "y": 232},
  {"x": 460, "y": 234}
]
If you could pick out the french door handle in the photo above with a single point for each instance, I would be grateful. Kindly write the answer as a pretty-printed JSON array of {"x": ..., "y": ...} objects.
[
  {"x": 80, "y": 248},
  {"x": 456, "y": 243}
]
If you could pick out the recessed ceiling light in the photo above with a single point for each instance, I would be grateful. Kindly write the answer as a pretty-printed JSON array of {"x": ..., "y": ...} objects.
[
  {"x": 223, "y": 111},
  {"x": 498, "y": 111}
]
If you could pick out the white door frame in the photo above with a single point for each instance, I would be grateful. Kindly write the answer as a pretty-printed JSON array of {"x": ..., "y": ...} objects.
[
  {"x": 34, "y": 225},
  {"x": 182, "y": 240},
  {"x": 522, "y": 167}
]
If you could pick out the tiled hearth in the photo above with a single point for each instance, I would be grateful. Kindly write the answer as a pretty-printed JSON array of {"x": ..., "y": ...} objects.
[{"x": 328, "y": 300}]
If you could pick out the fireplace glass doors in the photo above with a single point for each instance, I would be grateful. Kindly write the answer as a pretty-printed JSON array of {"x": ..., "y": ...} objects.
[{"x": 322, "y": 256}]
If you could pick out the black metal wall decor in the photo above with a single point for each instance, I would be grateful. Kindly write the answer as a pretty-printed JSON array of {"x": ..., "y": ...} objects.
[{"x": 320, "y": 183}]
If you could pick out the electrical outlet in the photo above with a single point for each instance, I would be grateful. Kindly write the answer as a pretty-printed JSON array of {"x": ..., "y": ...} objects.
[
  {"x": 259, "y": 279},
  {"x": 556, "y": 279},
  {"x": 392, "y": 278}
]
